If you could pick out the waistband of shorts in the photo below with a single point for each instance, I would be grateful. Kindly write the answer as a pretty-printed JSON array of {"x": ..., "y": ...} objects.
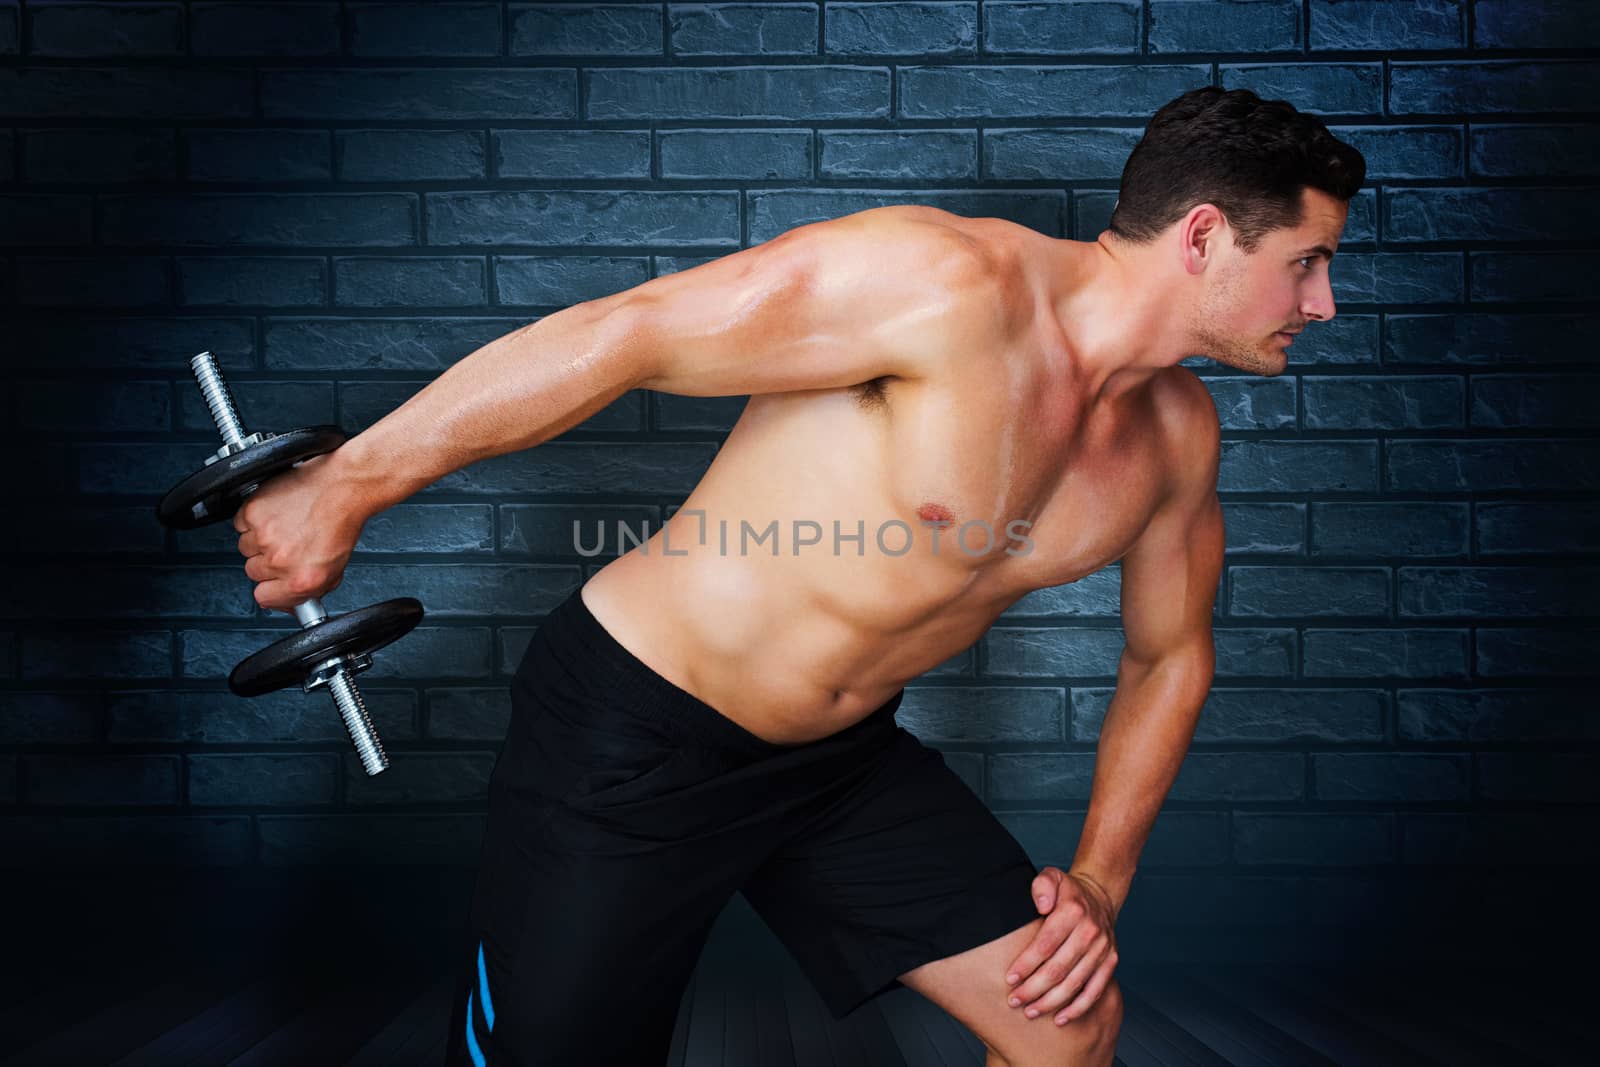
[{"x": 647, "y": 694}]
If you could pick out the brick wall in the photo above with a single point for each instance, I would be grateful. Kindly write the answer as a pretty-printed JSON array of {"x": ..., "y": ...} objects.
[{"x": 341, "y": 200}]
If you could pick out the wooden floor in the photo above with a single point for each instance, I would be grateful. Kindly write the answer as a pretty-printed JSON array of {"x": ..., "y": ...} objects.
[{"x": 747, "y": 1009}]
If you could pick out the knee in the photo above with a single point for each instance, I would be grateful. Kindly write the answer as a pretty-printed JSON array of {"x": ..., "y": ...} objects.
[{"x": 1090, "y": 1040}]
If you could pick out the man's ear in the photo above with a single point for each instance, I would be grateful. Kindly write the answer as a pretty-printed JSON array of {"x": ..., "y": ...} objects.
[{"x": 1200, "y": 236}]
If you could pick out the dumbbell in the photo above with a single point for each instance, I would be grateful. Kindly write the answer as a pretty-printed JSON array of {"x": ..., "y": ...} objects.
[{"x": 329, "y": 650}]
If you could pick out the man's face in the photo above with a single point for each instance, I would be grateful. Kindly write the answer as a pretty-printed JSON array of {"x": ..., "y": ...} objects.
[{"x": 1255, "y": 302}]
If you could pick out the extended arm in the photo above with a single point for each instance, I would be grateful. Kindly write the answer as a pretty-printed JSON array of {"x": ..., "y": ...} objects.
[
  {"x": 1169, "y": 582},
  {"x": 829, "y": 304}
]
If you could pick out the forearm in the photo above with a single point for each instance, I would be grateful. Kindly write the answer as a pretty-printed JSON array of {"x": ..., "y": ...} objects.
[
  {"x": 1146, "y": 732},
  {"x": 513, "y": 393}
]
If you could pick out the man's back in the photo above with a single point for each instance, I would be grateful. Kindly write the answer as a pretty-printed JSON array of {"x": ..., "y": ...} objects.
[{"x": 847, "y": 539}]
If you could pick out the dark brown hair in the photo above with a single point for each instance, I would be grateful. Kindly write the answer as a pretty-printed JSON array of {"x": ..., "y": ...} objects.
[{"x": 1248, "y": 156}]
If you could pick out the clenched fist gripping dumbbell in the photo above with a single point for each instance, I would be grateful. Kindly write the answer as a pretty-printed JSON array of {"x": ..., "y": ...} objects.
[{"x": 330, "y": 650}]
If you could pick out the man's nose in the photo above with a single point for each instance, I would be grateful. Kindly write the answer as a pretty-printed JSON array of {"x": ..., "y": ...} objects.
[{"x": 1318, "y": 304}]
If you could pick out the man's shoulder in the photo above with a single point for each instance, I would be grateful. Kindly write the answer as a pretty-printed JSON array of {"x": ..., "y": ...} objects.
[{"x": 1191, "y": 431}]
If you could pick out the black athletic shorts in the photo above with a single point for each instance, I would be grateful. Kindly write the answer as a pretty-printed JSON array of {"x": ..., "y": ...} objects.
[{"x": 623, "y": 815}]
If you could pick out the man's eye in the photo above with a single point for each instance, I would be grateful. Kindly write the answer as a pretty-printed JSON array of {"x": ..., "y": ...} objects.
[{"x": 1306, "y": 261}]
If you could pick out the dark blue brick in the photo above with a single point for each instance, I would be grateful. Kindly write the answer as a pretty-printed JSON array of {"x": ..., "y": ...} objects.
[
  {"x": 9, "y": 35},
  {"x": 1225, "y": 26},
  {"x": 1091, "y": 214},
  {"x": 270, "y": 780},
  {"x": 263, "y": 29},
  {"x": 1246, "y": 716},
  {"x": 270, "y": 405},
  {"x": 807, "y": 94},
  {"x": 1534, "y": 24},
  {"x": 1384, "y": 653},
  {"x": 1319, "y": 89},
  {"x": 759, "y": 155},
  {"x": 1406, "y": 529},
  {"x": 88, "y": 342},
  {"x": 1253, "y": 403},
  {"x": 874, "y": 29},
  {"x": 1526, "y": 652},
  {"x": 370, "y": 840},
  {"x": 1047, "y": 777},
  {"x": 1498, "y": 592},
  {"x": 1535, "y": 151},
  {"x": 778, "y": 211},
  {"x": 1050, "y": 652},
  {"x": 1384, "y": 403},
  {"x": 431, "y": 344},
  {"x": 126, "y": 591},
  {"x": 565, "y": 217},
  {"x": 96, "y": 844},
  {"x": 215, "y": 716},
  {"x": 78, "y": 30},
  {"x": 95, "y": 407},
  {"x": 1398, "y": 277},
  {"x": 1231, "y": 777},
  {"x": 1406, "y": 152},
  {"x": 1514, "y": 528},
  {"x": 586, "y": 29},
  {"x": 1349, "y": 339},
  {"x": 559, "y": 281},
  {"x": 422, "y": 778},
  {"x": 50, "y": 718},
  {"x": 11, "y": 781},
  {"x": 1097, "y": 595},
  {"x": 92, "y": 530},
  {"x": 252, "y": 281},
  {"x": 769, "y": 29},
  {"x": 1093, "y": 27},
  {"x": 572, "y": 531},
  {"x": 110, "y": 655},
  {"x": 665, "y": 468},
  {"x": 259, "y": 155},
  {"x": 1482, "y": 215},
  {"x": 409, "y": 155},
  {"x": 1551, "y": 401},
  {"x": 126, "y": 93},
  {"x": 287, "y": 219},
  {"x": 1493, "y": 715},
  {"x": 1003, "y": 92},
  {"x": 1491, "y": 87},
  {"x": 1308, "y": 592},
  {"x": 572, "y": 154},
  {"x": 99, "y": 156},
  {"x": 1057, "y": 154},
  {"x": 1534, "y": 276},
  {"x": 87, "y": 780},
  {"x": 1488, "y": 339},
  {"x": 1385, "y": 26},
  {"x": 1361, "y": 221},
  {"x": 469, "y": 714},
  {"x": 45, "y": 220},
  {"x": 1298, "y": 466},
  {"x": 8, "y": 655},
  {"x": 458, "y": 590},
  {"x": 456, "y": 29},
  {"x": 1395, "y": 777},
  {"x": 1490, "y": 839},
  {"x": 1469, "y": 466},
  {"x": 410, "y": 281},
  {"x": 943, "y": 714},
  {"x": 713, "y": 413},
  {"x": 1321, "y": 839},
  {"x": 8, "y": 156},
  {"x": 1273, "y": 528},
  {"x": 919, "y": 155},
  {"x": 109, "y": 282},
  {"x": 1538, "y": 777},
  {"x": 451, "y": 528},
  {"x": 419, "y": 95}
]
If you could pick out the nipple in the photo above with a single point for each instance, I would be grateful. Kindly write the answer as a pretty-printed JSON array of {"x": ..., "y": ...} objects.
[{"x": 935, "y": 513}]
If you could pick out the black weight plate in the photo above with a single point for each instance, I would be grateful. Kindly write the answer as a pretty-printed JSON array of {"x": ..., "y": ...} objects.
[
  {"x": 214, "y": 492},
  {"x": 289, "y": 661}
]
